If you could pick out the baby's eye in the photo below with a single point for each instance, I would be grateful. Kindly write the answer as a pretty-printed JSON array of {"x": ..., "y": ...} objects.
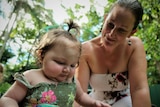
[
  {"x": 59, "y": 62},
  {"x": 74, "y": 65}
]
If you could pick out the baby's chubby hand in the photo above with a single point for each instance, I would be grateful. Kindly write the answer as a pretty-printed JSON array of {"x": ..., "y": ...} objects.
[{"x": 101, "y": 104}]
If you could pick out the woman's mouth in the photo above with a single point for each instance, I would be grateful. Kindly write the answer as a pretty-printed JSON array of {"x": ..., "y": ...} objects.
[{"x": 109, "y": 41}]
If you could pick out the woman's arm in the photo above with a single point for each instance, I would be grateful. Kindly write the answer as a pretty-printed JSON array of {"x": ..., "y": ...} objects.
[
  {"x": 82, "y": 73},
  {"x": 85, "y": 100},
  {"x": 137, "y": 76},
  {"x": 83, "y": 70}
]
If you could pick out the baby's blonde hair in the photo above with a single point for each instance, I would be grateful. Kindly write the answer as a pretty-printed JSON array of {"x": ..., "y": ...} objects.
[{"x": 57, "y": 37}]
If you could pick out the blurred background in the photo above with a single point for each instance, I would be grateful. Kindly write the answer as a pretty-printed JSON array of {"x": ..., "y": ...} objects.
[{"x": 22, "y": 22}]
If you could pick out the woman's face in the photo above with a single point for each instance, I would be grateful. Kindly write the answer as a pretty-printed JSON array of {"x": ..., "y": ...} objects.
[
  {"x": 118, "y": 25},
  {"x": 59, "y": 63}
]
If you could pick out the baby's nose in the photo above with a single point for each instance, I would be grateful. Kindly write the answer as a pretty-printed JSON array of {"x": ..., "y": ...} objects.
[{"x": 67, "y": 69}]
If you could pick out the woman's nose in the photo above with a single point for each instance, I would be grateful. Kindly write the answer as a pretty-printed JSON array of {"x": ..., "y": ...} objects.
[{"x": 112, "y": 33}]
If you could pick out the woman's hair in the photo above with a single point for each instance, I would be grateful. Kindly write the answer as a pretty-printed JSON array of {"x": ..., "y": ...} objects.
[
  {"x": 56, "y": 37},
  {"x": 134, "y": 6}
]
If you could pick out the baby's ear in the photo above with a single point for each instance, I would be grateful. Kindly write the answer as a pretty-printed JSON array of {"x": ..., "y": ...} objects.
[{"x": 39, "y": 55}]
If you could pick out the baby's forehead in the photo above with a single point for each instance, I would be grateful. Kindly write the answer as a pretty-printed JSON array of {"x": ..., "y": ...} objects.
[
  {"x": 66, "y": 47},
  {"x": 66, "y": 52},
  {"x": 68, "y": 44},
  {"x": 66, "y": 58},
  {"x": 69, "y": 51}
]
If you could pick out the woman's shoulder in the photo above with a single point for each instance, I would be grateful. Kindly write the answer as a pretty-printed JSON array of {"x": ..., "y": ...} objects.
[
  {"x": 136, "y": 40},
  {"x": 90, "y": 44},
  {"x": 137, "y": 44}
]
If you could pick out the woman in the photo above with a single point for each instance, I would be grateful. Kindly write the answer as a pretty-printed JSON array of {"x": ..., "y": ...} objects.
[{"x": 115, "y": 63}]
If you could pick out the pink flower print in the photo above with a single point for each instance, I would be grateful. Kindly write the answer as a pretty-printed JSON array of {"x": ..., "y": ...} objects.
[{"x": 48, "y": 97}]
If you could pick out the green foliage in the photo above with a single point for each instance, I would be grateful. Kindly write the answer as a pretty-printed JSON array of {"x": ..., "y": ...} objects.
[
  {"x": 93, "y": 27},
  {"x": 3, "y": 87},
  {"x": 6, "y": 55},
  {"x": 24, "y": 32},
  {"x": 150, "y": 34}
]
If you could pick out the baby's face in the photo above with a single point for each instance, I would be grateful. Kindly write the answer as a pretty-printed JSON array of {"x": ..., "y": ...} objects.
[{"x": 60, "y": 62}]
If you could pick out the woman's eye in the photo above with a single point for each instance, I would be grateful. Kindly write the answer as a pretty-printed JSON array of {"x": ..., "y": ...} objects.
[
  {"x": 110, "y": 25},
  {"x": 121, "y": 31}
]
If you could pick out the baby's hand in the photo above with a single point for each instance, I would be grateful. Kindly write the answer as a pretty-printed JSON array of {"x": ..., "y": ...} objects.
[{"x": 101, "y": 104}]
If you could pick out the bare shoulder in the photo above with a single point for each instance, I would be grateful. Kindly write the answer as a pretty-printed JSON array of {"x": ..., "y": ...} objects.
[
  {"x": 86, "y": 45},
  {"x": 31, "y": 74},
  {"x": 137, "y": 44},
  {"x": 136, "y": 41},
  {"x": 139, "y": 52},
  {"x": 90, "y": 44}
]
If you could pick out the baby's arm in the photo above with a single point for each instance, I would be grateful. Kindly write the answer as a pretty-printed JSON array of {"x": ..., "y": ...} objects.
[
  {"x": 13, "y": 95},
  {"x": 85, "y": 100},
  {"x": 8, "y": 102}
]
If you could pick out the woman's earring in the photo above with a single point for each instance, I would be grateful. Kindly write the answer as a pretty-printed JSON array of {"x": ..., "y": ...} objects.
[{"x": 129, "y": 42}]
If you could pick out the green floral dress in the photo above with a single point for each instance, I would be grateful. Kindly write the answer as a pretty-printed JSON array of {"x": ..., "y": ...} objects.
[{"x": 47, "y": 95}]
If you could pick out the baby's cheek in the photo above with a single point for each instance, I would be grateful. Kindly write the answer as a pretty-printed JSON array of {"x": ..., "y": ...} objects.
[
  {"x": 54, "y": 70},
  {"x": 71, "y": 74}
]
